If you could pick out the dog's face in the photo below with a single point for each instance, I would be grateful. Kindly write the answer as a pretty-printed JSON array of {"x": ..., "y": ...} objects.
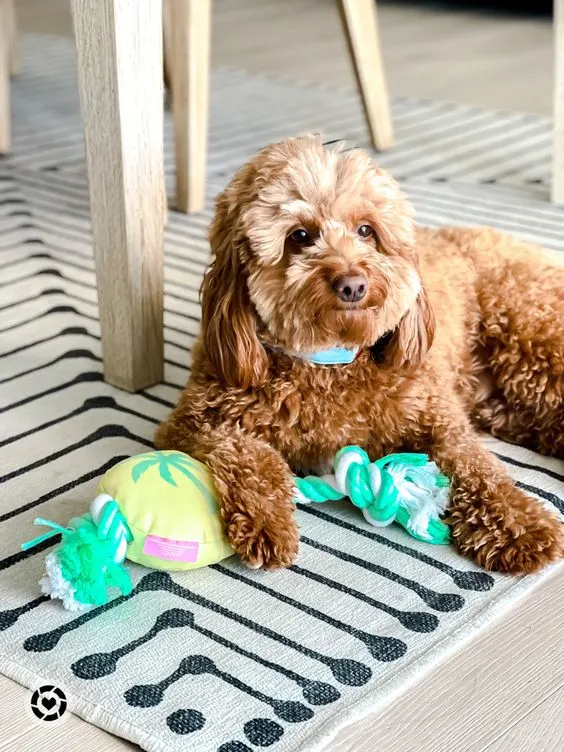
[{"x": 314, "y": 248}]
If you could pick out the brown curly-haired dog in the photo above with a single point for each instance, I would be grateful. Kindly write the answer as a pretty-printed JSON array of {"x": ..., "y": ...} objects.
[{"x": 315, "y": 248}]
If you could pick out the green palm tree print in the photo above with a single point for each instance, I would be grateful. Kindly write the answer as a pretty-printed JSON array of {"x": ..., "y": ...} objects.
[{"x": 166, "y": 463}]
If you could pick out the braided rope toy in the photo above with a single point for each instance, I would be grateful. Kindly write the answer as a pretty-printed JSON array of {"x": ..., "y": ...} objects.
[{"x": 405, "y": 488}]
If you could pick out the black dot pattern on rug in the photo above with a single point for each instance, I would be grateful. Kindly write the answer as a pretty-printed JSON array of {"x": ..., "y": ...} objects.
[
  {"x": 263, "y": 732},
  {"x": 185, "y": 721},
  {"x": 234, "y": 746}
]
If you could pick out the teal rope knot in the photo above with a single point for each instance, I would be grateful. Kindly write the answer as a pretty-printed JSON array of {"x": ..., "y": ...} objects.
[
  {"x": 111, "y": 526},
  {"x": 404, "y": 487}
]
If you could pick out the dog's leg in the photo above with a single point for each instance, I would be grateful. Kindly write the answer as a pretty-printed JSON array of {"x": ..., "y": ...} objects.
[
  {"x": 492, "y": 520},
  {"x": 255, "y": 490},
  {"x": 522, "y": 344},
  {"x": 522, "y": 427}
]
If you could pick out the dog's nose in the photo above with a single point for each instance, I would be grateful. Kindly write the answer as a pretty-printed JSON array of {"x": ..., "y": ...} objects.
[{"x": 351, "y": 288}]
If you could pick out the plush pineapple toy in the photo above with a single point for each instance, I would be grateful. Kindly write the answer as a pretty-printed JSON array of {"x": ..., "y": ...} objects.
[{"x": 157, "y": 509}]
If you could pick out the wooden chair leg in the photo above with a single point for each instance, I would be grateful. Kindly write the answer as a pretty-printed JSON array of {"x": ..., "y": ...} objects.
[
  {"x": 191, "y": 28},
  {"x": 5, "y": 109},
  {"x": 360, "y": 24},
  {"x": 558, "y": 142},
  {"x": 13, "y": 51},
  {"x": 120, "y": 75},
  {"x": 167, "y": 46}
]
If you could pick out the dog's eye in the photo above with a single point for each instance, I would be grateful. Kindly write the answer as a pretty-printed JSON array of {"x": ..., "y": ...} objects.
[
  {"x": 365, "y": 231},
  {"x": 301, "y": 237}
]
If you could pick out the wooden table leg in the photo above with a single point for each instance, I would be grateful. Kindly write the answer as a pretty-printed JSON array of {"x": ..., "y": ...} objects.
[
  {"x": 120, "y": 75},
  {"x": 189, "y": 72},
  {"x": 5, "y": 109},
  {"x": 167, "y": 46},
  {"x": 13, "y": 50},
  {"x": 360, "y": 24},
  {"x": 558, "y": 139}
]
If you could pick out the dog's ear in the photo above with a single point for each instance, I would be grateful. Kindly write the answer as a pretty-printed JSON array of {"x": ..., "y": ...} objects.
[
  {"x": 408, "y": 344},
  {"x": 229, "y": 331}
]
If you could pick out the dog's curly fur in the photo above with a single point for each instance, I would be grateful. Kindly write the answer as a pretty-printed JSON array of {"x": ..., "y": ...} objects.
[{"x": 459, "y": 328}]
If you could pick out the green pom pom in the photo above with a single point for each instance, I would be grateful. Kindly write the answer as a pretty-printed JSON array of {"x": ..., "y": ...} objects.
[
  {"x": 81, "y": 569},
  {"x": 86, "y": 562}
]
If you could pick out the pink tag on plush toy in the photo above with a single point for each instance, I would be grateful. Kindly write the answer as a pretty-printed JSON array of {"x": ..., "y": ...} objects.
[{"x": 171, "y": 550}]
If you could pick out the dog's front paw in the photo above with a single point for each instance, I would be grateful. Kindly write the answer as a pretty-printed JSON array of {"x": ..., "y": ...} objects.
[
  {"x": 507, "y": 531},
  {"x": 263, "y": 541}
]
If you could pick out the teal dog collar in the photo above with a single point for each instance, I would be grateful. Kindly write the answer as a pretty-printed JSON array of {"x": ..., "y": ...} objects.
[{"x": 333, "y": 356}]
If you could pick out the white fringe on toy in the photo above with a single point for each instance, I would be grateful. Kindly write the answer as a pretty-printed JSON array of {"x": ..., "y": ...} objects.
[
  {"x": 420, "y": 496},
  {"x": 56, "y": 586}
]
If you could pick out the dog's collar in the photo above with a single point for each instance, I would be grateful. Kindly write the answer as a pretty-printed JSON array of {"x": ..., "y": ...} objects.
[{"x": 333, "y": 356}]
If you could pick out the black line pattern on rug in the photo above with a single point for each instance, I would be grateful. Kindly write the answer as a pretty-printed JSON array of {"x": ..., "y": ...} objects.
[
  {"x": 465, "y": 580},
  {"x": 97, "y": 665},
  {"x": 9, "y": 618},
  {"x": 149, "y": 695},
  {"x": 157, "y": 400},
  {"x": 67, "y": 331},
  {"x": 68, "y": 355},
  {"x": 416, "y": 621},
  {"x": 50, "y": 271},
  {"x": 104, "y": 432},
  {"x": 48, "y": 312},
  {"x": 438, "y": 601},
  {"x": 186, "y": 269},
  {"x": 528, "y": 466},
  {"x": 381, "y": 648},
  {"x": 75, "y": 312},
  {"x": 556, "y": 501},
  {"x": 90, "y": 475},
  {"x": 32, "y": 299},
  {"x": 9, "y": 561},
  {"x": 81, "y": 378},
  {"x": 101, "y": 402},
  {"x": 345, "y": 670},
  {"x": 89, "y": 355}
]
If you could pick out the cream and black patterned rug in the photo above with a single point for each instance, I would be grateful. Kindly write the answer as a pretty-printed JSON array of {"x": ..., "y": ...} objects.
[{"x": 224, "y": 658}]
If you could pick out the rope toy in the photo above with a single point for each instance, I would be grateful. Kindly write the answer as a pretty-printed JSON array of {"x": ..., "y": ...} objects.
[{"x": 405, "y": 488}]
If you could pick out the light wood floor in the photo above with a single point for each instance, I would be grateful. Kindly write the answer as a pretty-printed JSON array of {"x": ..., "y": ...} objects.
[
  {"x": 505, "y": 691},
  {"x": 498, "y": 61}
]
